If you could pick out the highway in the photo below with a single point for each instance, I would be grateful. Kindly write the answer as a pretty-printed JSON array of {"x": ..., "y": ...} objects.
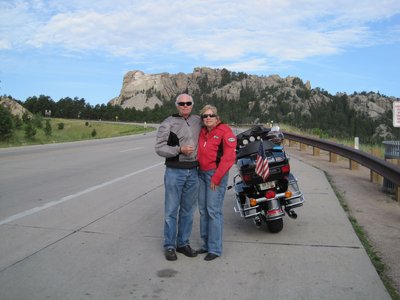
[{"x": 84, "y": 220}]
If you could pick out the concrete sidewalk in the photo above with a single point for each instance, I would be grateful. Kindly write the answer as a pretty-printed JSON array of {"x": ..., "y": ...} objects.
[
  {"x": 120, "y": 256},
  {"x": 377, "y": 212}
]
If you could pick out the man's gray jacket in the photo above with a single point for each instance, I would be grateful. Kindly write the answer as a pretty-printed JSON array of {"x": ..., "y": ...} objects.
[{"x": 174, "y": 132}]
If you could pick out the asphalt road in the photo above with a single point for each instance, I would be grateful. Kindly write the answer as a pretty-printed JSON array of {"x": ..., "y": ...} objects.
[{"x": 84, "y": 221}]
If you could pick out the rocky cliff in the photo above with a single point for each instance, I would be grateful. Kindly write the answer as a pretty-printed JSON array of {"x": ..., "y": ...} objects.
[{"x": 140, "y": 90}]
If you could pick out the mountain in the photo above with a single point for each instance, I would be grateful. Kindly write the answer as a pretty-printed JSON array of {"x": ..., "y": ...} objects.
[
  {"x": 140, "y": 90},
  {"x": 242, "y": 98}
]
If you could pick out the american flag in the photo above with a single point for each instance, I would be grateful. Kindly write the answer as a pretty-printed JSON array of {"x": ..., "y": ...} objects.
[{"x": 262, "y": 167}]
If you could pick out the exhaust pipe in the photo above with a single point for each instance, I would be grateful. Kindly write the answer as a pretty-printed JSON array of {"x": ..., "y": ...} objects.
[
  {"x": 257, "y": 221},
  {"x": 291, "y": 213}
]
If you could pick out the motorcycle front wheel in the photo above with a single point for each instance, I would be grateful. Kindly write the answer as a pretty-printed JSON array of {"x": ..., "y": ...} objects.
[{"x": 275, "y": 226}]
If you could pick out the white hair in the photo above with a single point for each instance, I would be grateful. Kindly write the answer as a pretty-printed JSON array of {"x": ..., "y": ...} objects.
[{"x": 182, "y": 95}]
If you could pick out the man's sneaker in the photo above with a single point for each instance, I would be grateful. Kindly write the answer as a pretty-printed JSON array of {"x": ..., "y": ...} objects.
[
  {"x": 187, "y": 250},
  {"x": 170, "y": 254},
  {"x": 210, "y": 256}
]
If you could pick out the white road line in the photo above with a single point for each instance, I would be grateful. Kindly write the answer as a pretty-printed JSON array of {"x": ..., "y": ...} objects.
[
  {"x": 67, "y": 198},
  {"x": 131, "y": 149}
]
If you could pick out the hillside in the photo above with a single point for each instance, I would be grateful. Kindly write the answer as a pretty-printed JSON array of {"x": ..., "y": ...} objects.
[
  {"x": 13, "y": 106},
  {"x": 261, "y": 98},
  {"x": 142, "y": 90}
]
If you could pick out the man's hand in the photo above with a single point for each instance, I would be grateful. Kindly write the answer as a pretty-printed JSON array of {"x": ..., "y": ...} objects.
[{"x": 187, "y": 150}]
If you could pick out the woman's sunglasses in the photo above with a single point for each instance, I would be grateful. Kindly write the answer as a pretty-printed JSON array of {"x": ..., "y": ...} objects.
[{"x": 205, "y": 116}]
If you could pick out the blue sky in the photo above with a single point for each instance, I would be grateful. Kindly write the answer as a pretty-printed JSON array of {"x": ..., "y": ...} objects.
[{"x": 83, "y": 49}]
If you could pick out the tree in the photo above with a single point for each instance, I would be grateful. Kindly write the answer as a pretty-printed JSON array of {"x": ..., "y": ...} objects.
[
  {"x": 6, "y": 123},
  {"x": 47, "y": 128},
  {"x": 30, "y": 131},
  {"x": 70, "y": 108},
  {"x": 225, "y": 77},
  {"x": 37, "y": 120},
  {"x": 17, "y": 122},
  {"x": 39, "y": 105}
]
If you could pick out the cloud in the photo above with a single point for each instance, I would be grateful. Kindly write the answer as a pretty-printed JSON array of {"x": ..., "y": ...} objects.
[
  {"x": 5, "y": 44},
  {"x": 228, "y": 31}
]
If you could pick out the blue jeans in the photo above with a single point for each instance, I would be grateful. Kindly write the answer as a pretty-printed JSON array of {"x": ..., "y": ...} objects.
[
  {"x": 181, "y": 190},
  {"x": 210, "y": 208}
]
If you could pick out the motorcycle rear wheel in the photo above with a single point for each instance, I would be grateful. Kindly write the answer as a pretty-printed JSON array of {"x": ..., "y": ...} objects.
[{"x": 275, "y": 226}]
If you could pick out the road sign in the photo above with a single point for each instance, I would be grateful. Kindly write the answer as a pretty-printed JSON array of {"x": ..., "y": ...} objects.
[{"x": 396, "y": 113}]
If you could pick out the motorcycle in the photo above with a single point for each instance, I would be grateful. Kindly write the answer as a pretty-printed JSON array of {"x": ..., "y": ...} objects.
[{"x": 265, "y": 201}]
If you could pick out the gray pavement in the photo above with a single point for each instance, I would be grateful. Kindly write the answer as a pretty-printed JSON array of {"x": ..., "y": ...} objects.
[{"x": 98, "y": 246}]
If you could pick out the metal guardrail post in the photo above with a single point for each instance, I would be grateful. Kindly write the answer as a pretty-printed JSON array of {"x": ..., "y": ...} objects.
[
  {"x": 353, "y": 165},
  {"x": 316, "y": 151},
  {"x": 333, "y": 157},
  {"x": 375, "y": 177}
]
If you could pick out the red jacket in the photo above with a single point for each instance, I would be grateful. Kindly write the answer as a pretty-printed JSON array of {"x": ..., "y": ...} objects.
[{"x": 217, "y": 150}]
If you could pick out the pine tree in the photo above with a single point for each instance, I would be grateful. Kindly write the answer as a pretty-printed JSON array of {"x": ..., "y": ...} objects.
[
  {"x": 30, "y": 131},
  {"x": 6, "y": 124},
  {"x": 47, "y": 128}
]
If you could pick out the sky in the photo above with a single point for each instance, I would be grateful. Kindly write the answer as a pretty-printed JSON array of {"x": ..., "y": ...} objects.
[{"x": 83, "y": 49}]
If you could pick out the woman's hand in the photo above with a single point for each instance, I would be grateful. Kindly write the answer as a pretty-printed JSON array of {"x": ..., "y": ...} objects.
[{"x": 213, "y": 186}]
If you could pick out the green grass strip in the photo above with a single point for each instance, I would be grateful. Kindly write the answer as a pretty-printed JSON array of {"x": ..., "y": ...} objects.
[
  {"x": 74, "y": 130},
  {"x": 373, "y": 255}
]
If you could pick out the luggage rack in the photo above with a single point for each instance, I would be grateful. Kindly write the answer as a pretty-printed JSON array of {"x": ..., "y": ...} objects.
[
  {"x": 246, "y": 211},
  {"x": 297, "y": 199}
]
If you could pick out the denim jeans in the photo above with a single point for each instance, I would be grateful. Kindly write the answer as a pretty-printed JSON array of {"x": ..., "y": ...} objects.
[
  {"x": 210, "y": 208},
  {"x": 181, "y": 191}
]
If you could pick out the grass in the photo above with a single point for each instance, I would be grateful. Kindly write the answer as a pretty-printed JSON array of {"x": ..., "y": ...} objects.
[
  {"x": 373, "y": 255},
  {"x": 74, "y": 130}
]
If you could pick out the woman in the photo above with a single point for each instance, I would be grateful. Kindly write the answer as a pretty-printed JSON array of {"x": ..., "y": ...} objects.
[{"x": 216, "y": 155}]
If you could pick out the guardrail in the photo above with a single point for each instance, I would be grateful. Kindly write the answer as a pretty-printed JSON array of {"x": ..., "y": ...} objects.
[{"x": 380, "y": 166}]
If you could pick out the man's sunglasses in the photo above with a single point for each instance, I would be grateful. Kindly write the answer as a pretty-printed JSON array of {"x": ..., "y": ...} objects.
[
  {"x": 205, "y": 116},
  {"x": 185, "y": 103}
]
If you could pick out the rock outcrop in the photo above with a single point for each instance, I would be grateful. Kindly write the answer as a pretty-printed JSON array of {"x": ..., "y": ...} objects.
[
  {"x": 14, "y": 107},
  {"x": 140, "y": 90}
]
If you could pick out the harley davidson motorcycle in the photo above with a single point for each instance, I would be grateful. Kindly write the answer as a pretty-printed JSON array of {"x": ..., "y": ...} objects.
[{"x": 265, "y": 201}]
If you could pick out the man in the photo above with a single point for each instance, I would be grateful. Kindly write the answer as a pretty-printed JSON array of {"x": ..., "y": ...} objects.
[{"x": 177, "y": 139}]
